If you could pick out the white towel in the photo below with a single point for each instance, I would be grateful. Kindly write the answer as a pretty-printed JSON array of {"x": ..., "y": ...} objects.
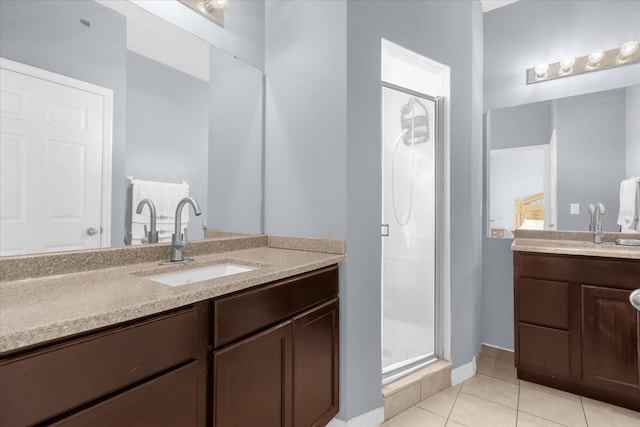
[
  {"x": 165, "y": 196},
  {"x": 629, "y": 214}
]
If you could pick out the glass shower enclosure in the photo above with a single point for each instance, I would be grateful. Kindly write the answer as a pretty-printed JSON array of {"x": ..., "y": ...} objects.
[{"x": 409, "y": 144}]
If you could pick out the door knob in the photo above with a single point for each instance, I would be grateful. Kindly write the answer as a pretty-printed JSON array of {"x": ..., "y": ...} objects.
[
  {"x": 92, "y": 231},
  {"x": 635, "y": 299}
]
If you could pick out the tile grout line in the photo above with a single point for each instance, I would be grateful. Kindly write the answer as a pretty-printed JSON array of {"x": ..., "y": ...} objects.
[
  {"x": 454, "y": 403},
  {"x": 584, "y": 413},
  {"x": 518, "y": 404}
]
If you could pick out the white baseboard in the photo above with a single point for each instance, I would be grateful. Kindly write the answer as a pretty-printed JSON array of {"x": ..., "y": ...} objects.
[
  {"x": 497, "y": 346},
  {"x": 464, "y": 372},
  {"x": 372, "y": 418}
]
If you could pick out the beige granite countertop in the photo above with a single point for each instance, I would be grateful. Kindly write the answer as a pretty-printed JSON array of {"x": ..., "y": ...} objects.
[
  {"x": 38, "y": 309},
  {"x": 574, "y": 243}
]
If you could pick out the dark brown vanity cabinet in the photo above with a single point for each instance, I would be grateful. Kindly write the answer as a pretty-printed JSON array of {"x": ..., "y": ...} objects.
[
  {"x": 147, "y": 372},
  {"x": 276, "y": 356},
  {"x": 265, "y": 356},
  {"x": 575, "y": 328}
]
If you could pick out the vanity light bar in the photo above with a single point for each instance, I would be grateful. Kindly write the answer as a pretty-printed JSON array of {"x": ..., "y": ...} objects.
[{"x": 598, "y": 59}]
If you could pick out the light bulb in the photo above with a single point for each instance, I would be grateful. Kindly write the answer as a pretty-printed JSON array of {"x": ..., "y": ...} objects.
[
  {"x": 628, "y": 49},
  {"x": 541, "y": 70},
  {"x": 211, "y": 5},
  {"x": 566, "y": 64},
  {"x": 595, "y": 57}
]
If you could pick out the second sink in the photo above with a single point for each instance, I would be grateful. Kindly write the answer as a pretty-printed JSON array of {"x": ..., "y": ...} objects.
[{"x": 192, "y": 275}]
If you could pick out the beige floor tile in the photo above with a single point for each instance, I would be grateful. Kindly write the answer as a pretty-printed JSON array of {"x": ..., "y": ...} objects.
[
  {"x": 451, "y": 423},
  {"x": 526, "y": 420},
  {"x": 457, "y": 386},
  {"x": 551, "y": 407},
  {"x": 475, "y": 412},
  {"x": 506, "y": 356},
  {"x": 556, "y": 392},
  {"x": 617, "y": 409},
  {"x": 440, "y": 403},
  {"x": 484, "y": 364},
  {"x": 492, "y": 389},
  {"x": 600, "y": 417},
  {"x": 497, "y": 353},
  {"x": 505, "y": 371},
  {"x": 401, "y": 400},
  {"x": 415, "y": 417},
  {"x": 497, "y": 368}
]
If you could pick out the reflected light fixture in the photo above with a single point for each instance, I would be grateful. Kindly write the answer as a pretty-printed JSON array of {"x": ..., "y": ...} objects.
[
  {"x": 627, "y": 50},
  {"x": 598, "y": 59},
  {"x": 211, "y": 9},
  {"x": 209, "y": 5},
  {"x": 541, "y": 70},
  {"x": 595, "y": 57},
  {"x": 566, "y": 64}
]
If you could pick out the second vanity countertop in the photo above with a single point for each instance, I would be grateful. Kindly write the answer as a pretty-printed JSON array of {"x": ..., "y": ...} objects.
[
  {"x": 573, "y": 243},
  {"x": 36, "y": 310}
]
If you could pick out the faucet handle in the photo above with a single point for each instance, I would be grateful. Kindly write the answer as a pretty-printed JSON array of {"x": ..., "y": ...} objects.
[
  {"x": 187, "y": 244},
  {"x": 145, "y": 239}
]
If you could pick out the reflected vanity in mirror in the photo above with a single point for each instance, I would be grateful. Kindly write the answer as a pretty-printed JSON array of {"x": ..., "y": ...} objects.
[
  {"x": 547, "y": 161},
  {"x": 159, "y": 104}
]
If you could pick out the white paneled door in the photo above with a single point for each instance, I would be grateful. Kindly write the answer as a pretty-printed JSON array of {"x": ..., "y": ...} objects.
[{"x": 51, "y": 172}]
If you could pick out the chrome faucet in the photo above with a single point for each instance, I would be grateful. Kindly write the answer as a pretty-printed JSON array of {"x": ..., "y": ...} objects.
[
  {"x": 180, "y": 243},
  {"x": 596, "y": 211},
  {"x": 150, "y": 236}
]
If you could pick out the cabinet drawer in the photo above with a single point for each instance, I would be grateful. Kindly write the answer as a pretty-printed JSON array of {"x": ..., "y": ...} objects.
[
  {"x": 544, "y": 349},
  {"x": 239, "y": 315},
  {"x": 543, "y": 302},
  {"x": 48, "y": 382},
  {"x": 167, "y": 401},
  {"x": 612, "y": 272}
]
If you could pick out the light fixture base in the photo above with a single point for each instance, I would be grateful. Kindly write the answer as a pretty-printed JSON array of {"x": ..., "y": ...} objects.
[{"x": 611, "y": 58}]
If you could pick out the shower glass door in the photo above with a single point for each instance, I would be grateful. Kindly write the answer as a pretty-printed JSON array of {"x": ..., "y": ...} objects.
[{"x": 409, "y": 135}]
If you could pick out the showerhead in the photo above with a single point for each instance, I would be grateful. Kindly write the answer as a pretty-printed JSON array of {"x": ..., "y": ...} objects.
[{"x": 414, "y": 122}]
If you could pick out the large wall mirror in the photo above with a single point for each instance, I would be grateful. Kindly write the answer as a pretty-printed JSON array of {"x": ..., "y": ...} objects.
[
  {"x": 548, "y": 161},
  {"x": 174, "y": 109}
]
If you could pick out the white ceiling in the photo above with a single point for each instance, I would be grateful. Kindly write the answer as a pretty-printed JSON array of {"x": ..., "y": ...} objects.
[{"x": 488, "y": 5}]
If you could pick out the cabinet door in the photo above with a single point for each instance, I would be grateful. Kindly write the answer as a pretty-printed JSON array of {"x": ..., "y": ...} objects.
[
  {"x": 610, "y": 340},
  {"x": 252, "y": 380},
  {"x": 315, "y": 361}
]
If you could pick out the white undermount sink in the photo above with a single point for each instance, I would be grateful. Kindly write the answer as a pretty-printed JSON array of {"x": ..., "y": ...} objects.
[{"x": 192, "y": 275}]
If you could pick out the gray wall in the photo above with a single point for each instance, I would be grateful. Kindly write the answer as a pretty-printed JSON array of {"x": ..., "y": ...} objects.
[
  {"x": 235, "y": 144},
  {"x": 633, "y": 131},
  {"x": 242, "y": 35},
  {"x": 520, "y": 126},
  {"x": 305, "y": 128},
  {"x": 591, "y": 156},
  {"x": 49, "y": 35},
  {"x": 560, "y": 27},
  {"x": 314, "y": 155},
  {"x": 167, "y": 122}
]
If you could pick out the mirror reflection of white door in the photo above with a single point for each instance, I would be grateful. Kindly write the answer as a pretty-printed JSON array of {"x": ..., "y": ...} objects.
[
  {"x": 55, "y": 132},
  {"x": 516, "y": 173}
]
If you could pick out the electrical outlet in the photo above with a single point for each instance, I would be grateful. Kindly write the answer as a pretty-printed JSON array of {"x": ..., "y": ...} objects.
[{"x": 575, "y": 208}]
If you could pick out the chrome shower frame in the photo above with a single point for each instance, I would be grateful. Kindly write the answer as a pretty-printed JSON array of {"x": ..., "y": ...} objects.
[{"x": 439, "y": 101}]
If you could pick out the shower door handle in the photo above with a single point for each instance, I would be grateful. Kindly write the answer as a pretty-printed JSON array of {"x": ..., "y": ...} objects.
[{"x": 384, "y": 230}]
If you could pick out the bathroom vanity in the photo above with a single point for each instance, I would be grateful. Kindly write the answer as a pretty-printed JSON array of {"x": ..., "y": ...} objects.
[
  {"x": 575, "y": 328},
  {"x": 247, "y": 350}
]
